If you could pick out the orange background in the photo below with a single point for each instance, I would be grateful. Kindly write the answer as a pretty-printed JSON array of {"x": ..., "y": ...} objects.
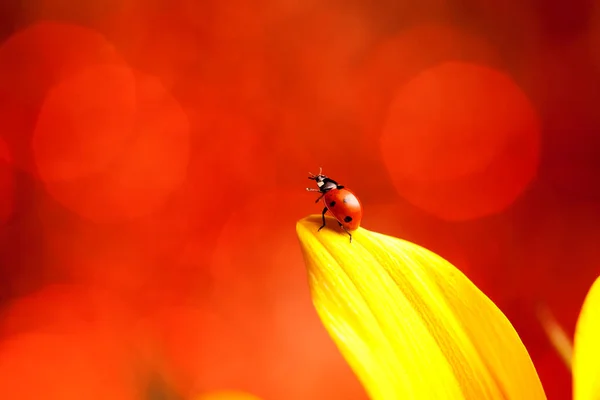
[{"x": 153, "y": 163}]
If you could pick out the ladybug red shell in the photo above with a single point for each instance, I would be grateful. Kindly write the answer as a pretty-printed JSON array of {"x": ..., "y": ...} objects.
[{"x": 339, "y": 201}]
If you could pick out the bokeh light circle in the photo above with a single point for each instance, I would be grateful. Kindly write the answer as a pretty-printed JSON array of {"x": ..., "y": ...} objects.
[
  {"x": 85, "y": 122},
  {"x": 32, "y": 61},
  {"x": 61, "y": 367},
  {"x": 398, "y": 59},
  {"x": 461, "y": 141},
  {"x": 136, "y": 156},
  {"x": 35, "y": 58},
  {"x": 66, "y": 342}
]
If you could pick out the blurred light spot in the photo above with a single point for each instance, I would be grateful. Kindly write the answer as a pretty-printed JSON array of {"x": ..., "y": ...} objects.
[
  {"x": 390, "y": 63},
  {"x": 66, "y": 342},
  {"x": 148, "y": 163},
  {"x": 7, "y": 183},
  {"x": 31, "y": 62},
  {"x": 34, "y": 59},
  {"x": 85, "y": 122},
  {"x": 461, "y": 141},
  {"x": 397, "y": 60},
  {"x": 63, "y": 367}
]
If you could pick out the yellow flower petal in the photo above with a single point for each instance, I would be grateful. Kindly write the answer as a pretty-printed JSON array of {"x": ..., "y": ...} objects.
[
  {"x": 227, "y": 395},
  {"x": 586, "y": 348},
  {"x": 410, "y": 324}
]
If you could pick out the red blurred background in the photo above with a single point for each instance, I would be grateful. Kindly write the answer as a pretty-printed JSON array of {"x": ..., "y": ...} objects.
[{"x": 153, "y": 160}]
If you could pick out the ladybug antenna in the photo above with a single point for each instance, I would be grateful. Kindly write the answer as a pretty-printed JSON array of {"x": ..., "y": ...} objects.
[{"x": 313, "y": 176}]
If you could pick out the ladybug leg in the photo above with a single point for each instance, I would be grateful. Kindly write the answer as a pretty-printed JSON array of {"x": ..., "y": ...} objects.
[
  {"x": 323, "y": 226},
  {"x": 316, "y": 190},
  {"x": 346, "y": 230}
]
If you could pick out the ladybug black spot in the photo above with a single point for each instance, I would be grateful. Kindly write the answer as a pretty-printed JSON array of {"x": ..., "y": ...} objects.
[
  {"x": 332, "y": 204},
  {"x": 348, "y": 219}
]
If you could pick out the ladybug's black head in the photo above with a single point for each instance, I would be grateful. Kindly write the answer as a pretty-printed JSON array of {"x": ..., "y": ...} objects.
[{"x": 323, "y": 182}]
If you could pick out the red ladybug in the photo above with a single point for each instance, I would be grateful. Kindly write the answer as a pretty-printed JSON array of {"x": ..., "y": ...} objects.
[{"x": 339, "y": 201}]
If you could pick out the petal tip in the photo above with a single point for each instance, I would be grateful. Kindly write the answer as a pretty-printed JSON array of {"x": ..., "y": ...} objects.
[
  {"x": 313, "y": 219},
  {"x": 304, "y": 225}
]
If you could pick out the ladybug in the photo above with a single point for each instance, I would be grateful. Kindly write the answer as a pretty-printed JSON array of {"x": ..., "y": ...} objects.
[{"x": 339, "y": 201}]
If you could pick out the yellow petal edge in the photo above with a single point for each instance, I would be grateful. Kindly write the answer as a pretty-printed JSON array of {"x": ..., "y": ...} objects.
[
  {"x": 586, "y": 348},
  {"x": 409, "y": 323}
]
